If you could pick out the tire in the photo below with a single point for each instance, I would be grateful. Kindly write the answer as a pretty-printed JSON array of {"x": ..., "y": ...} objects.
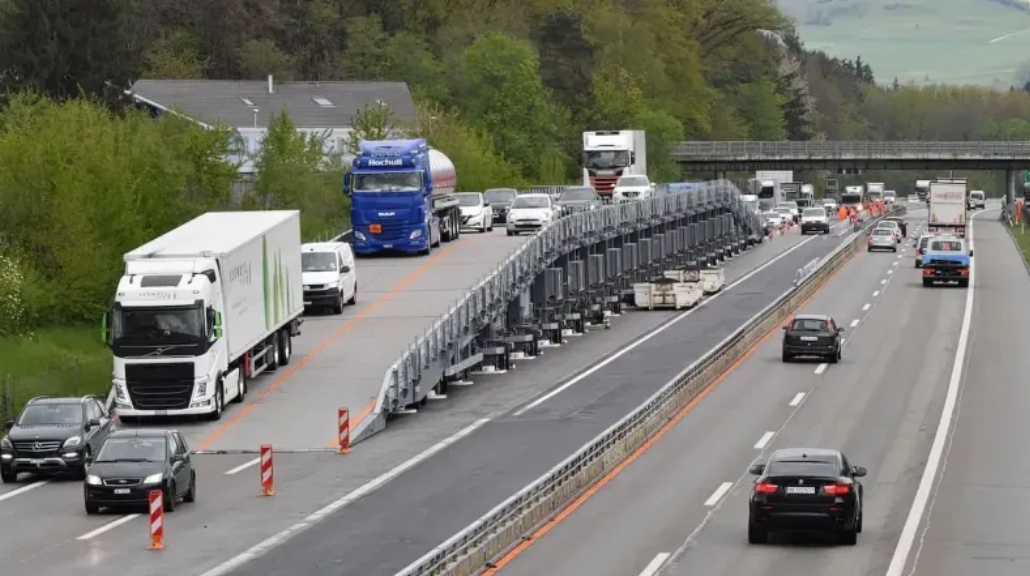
[
  {"x": 8, "y": 476},
  {"x": 275, "y": 350},
  {"x": 756, "y": 535},
  {"x": 354, "y": 298},
  {"x": 963, "y": 283},
  {"x": 337, "y": 306},
  {"x": 510, "y": 233},
  {"x": 895, "y": 249},
  {"x": 87, "y": 455},
  {"x": 191, "y": 494},
  {"x": 92, "y": 508},
  {"x": 285, "y": 347},
  {"x": 849, "y": 537},
  {"x": 833, "y": 358},
  {"x": 169, "y": 498},
  {"x": 219, "y": 403},
  {"x": 786, "y": 357},
  {"x": 927, "y": 283},
  {"x": 243, "y": 389},
  {"x": 869, "y": 250},
  {"x": 858, "y": 523}
]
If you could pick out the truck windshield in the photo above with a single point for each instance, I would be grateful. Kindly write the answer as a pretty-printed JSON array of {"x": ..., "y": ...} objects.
[
  {"x": 318, "y": 262},
  {"x": 850, "y": 198},
  {"x": 387, "y": 182},
  {"x": 607, "y": 159},
  {"x": 158, "y": 326}
]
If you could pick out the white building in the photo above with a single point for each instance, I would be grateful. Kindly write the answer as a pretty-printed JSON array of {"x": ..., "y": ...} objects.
[{"x": 248, "y": 105}]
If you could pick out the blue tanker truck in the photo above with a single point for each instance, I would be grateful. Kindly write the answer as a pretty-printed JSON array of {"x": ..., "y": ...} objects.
[{"x": 402, "y": 197}]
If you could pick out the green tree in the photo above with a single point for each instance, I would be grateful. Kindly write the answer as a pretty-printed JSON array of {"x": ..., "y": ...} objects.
[
  {"x": 174, "y": 56},
  {"x": 471, "y": 149},
  {"x": 502, "y": 82},
  {"x": 762, "y": 106},
  {"x": 373, "y": 121}
]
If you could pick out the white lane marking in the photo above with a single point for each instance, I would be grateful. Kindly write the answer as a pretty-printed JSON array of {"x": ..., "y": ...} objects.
[
  {"x": 940, "y": 441},
  {"x": 821, "y": 368},
  {"x": 866, "y": 307},
  {"x": 899, "y": 256},
  {"x": 764, "y": 440},
  {"x": 277, "y": 539},
  {"x": 583, "y": 375},
  {"x": 109, "y": 526},
  {"x": 242, "y": 467},
  {"x": 1009, "y": 35},
  {"x": 854, "y": 322},
  {"x": 875, "y": 294},
  {"x": 652, "y": 567},
  {"x": 718, "y": 494},
  {"x": 797, "y": 399},
  {"x": 22, "y": 490},
  {"x": 884, "y": 281},
  {"x": 891, "y": 271}
]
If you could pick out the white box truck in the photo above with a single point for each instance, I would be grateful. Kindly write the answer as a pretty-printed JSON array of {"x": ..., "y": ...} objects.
[
  {"x": 203, "y": 309},
  {"x": 611, "y": 154},
  {"x": 948, "y": 206}
]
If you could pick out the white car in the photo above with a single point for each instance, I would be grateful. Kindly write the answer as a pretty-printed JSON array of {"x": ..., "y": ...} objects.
[
  {"x": 795, "y": 212},
  {"x": 476, "y": 213},
  {"x": 890, "y": 197},
  {"x": 815, "y": 220},
  {"x": 830, "y": 205},
  {"x": 531, "y": 212},
  {"x": 632, "y": 187},
  {"x": 774, "y": 219},
  {"x": 329, "y": 275},
  {"x": 977, "y": 200},
  {"x": 893, "y": 226}
]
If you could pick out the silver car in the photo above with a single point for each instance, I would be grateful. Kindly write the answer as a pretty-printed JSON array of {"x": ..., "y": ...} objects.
[
  {"x": 883, "y": 239},
  {"x": 893, "y": 227}
]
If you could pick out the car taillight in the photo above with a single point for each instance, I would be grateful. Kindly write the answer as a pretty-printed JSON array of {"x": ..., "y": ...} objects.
[
  {"x": 927, "y": 272},
  {"x": 919, "y": 252},
  {"x": 964, "y": 271},
  {"x": 766, "y": 488},
  {"x": 837, "y": 489}
]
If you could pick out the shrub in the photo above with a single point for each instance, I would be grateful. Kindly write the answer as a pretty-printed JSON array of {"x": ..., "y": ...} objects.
[{"x": 13, "y": 316}]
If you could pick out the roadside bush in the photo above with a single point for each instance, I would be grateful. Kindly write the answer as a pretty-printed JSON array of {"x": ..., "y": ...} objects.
[{"x": 13, "y": 315}]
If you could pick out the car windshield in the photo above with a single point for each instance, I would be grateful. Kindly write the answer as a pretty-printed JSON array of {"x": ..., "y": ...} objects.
[
  {"x": 802, "y": 468},
  {"x": 946, "y": 246},
  {"x": 500, "y": 195},
  {"x": 883, "y": 232},
  {"x": 783, "y": 210},
  {"x": 467, "y": 199},
  {"x": 889, "y": 194},
  {"x": 530, "y": 202},
  {"x": 887, "y": 224},
  {"x": 51, "y": 415},
  {"x": 633, "y": 181},
  {"x": 576, "y": 194},
  {"x": 829, "y": 202},
  {"x": 318, "y": 262},
  {"x": 788, "y": 205},
  {"x": 133, "y": 450},
  {"x": 977, "y": 194},
  {"x": 808, "y": 325},
  {"x": 773, "y": 215},
  {"x": 814, "y": 212}
]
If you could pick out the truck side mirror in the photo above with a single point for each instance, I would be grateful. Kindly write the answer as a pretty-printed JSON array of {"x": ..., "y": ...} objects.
[
  {"x": 583, "y": 159},
  {"x": 217, "y": 324},
  {"x": 106, "y": 333},
  {"x": 347, "y": 183},
  {"x": 632, "y": 157}
]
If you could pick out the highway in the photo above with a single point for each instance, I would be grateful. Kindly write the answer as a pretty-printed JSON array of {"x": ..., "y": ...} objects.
[
  {"x": 412, "y": 462},
  {"x": 679, "y": 508}
]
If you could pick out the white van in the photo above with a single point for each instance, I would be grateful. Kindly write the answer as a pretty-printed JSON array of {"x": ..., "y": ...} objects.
[{"x": 330, "y": 278}]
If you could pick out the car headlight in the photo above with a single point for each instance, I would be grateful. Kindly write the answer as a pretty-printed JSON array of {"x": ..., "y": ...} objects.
[
  {"x": 6, "y": 443},
  {"x": 93, "y": 480},
  {"x": 332, "y": 285},
  {"x": 73, "y": 441},
  {"x": 154, "y": 478}
]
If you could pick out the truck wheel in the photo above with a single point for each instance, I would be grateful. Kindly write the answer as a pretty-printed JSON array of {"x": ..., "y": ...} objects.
[
  {"x": 285, "y": 347},
  {"x": 243, "y": 388},
  {"x": 272, "y": 355},
  {"x": 219, "y": 402}
]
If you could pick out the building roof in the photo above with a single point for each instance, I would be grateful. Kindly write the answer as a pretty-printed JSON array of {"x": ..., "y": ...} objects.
[{"x": 310, "y": 104}]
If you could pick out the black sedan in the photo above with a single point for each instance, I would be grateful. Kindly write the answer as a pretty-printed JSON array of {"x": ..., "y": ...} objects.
[
  {"x": 812, "y": 335},
  {"x": 500, "y": 200},
  {"x": 131, "y": 463},
  {"x": 578, "y": 199},
  {"x": 806, "y": 490}
]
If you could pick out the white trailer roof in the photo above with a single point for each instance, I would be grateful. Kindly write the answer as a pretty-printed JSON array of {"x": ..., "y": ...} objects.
[{"x": 213, "y": 233}]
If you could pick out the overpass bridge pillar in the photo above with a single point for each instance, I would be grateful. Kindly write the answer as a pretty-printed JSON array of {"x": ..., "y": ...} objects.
[
  {"x": 1010, "y": 185},
  {"x": 720, "y": 174}
]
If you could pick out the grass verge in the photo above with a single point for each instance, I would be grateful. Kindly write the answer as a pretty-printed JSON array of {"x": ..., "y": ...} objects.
[
  {"x": 1021, "y": 234},
  {"x": 52, "y": 361}
]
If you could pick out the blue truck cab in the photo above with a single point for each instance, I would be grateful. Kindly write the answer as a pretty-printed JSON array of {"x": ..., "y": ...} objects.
[
  {"x": 402, "y": 197},
  {"x": 947, "y": 259}
]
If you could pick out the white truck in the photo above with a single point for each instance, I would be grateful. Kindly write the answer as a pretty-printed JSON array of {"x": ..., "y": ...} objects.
[
  {"x": 203, "y": 309},
  {"x": 678, "y": 289},
  {"x": 610, "y": 154},
  {"x": 770, "y": 191},
  {"x": 874, "y": 191},
  {"x": 948, "y": 206},
  {"x": 807, "y": 196}
]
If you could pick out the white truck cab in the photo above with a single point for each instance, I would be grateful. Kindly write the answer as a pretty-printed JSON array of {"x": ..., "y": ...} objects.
[{"x": 330, "y": 275}]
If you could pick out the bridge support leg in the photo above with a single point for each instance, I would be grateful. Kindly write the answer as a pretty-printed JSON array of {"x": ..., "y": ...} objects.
[
  {"x": 1010, "y": 186},
  {"x": 720, "y": 174}
]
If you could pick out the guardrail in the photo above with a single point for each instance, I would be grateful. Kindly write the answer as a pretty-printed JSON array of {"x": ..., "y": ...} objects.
[
  {"x": 488, "y": 299},
  {"x": 816, "y": 149},
  {"x": 504, "y": 527}
]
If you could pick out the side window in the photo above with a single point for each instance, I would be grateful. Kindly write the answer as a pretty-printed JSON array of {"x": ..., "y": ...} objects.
[
  {"x": 340, "y": 263},
  {"x": 174, "y": 444},
  {"x": 101, "y": 411},
  {"x": 184, "y": 448},
  {"x": 845, "y": 466}
]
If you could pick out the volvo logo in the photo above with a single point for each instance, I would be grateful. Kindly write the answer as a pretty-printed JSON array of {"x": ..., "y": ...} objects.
[{"x": 37, "y": 446}]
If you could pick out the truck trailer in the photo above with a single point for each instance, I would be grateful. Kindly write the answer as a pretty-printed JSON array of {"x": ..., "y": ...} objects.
[
  {"x": 402, "y": 197},
  {"x": 611, "y": 154},
  {"x": 203, "y": 309},
  {"x": 948, "y": 201}
]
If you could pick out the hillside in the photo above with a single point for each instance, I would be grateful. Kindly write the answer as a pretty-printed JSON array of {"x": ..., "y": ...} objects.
[{"x": 952, "y": 41}]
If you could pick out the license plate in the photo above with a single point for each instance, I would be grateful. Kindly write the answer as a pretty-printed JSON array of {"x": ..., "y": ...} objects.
[
  {"x": 809, "y": 339},
  {"x": 122, "y": 490},
  {"x": 160, "y": 412},
  {"x": 387, "y": 246},
  {"x": 800, "y": 489}
]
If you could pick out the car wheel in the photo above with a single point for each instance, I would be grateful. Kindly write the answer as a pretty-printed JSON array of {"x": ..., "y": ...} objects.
[
  {"x": 756, "y": 535},
  {"x": 849, "y": 537},
  {"x": 510, "y": 233},
  {"x": 191, "y": 494},
  {"x": 169, "y": 498},
  {"x": 927, "y": 283},
  {"x": 8, "y": 476},
  {"x": 787, "y": 357},
  {"x": 963, "y": 283},
  {"x": 92, "y": 508},
  {"x": 858, "y": 523},
  {"x": 354, "y": 298},
  {"x": 87, "y": 455},
  {"x": 338, "y": 304}
]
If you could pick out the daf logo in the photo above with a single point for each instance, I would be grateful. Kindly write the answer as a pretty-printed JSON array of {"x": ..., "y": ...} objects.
[
  {"x": 387, "y": 214},
  {"x": 37, "y": 446}
]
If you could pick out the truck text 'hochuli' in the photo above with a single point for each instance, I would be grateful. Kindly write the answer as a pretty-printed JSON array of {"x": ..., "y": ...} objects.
[
  {"x": 203, "y": 309},
  {"x": 402, "y": 197},
  {"x": 608, "y": 155}
]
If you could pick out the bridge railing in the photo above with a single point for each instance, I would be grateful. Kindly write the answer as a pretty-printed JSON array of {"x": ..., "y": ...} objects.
[{"x": 816, "y": 149}]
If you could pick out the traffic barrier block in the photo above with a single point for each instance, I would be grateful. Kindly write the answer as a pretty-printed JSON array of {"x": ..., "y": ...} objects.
[
  {"x": 267, "y": 473},
  {"x": 157, "y": 520},
  {"x": 343, "y": 422}
]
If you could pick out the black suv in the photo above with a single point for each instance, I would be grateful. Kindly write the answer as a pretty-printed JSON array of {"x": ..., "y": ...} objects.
[
  {"x": 812, "y": 335},
  {"x": 54, "y": 436}
]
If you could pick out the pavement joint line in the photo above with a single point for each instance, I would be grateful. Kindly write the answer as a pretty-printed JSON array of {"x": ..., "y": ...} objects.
[
  {"x": 655, "y": 564},
  {"x": 718, "y": 494},
  {"x": 821, "y": 368},
  {"x": 764, "y": 440},
  {"x": 109, "y": 526},
  {"x": 797, "y": 399}
]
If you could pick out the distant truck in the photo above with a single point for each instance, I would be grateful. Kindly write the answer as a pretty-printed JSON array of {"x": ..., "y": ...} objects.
[
  {"x": 611, "y": 154},
  {"x": 874, "y": 191},
  {"x": 203, "y": 309},
  {"x": 402, "y": 197},
  {"x": 769, "y": 187},
  {"x": 791, "y": 192},
  {"x": 852, "y": 197},
  {"x": 923, "y": 189},
  {"x": 807, "y": 196},
  {"x": 948, "y": 206}
]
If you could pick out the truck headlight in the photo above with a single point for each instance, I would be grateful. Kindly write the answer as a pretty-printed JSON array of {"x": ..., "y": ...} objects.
[
  {"x": 154, "y": 478},
  {"x": 201, "y": 389},
  {"x": 415, "y": 234},
  {"x": 93, "y": 480},
  {"x": 359, "y": 236}
]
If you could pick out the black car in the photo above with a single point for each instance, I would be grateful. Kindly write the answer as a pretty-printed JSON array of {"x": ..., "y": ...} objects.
[
  {"x": 131, "y": 463},
  {"x": 575, "y": 199},
  {"x": 812, "y": 335},
  {"x": 53, "y": 436},
  {"x": 500, "y": 200},
  {"x": 806, "y": 489}
]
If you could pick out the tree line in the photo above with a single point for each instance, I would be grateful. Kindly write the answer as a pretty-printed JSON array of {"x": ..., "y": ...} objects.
[{"x": 505, "y": 89}]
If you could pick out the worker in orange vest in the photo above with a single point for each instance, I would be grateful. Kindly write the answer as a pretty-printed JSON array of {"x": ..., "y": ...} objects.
[{"x": 842, "y": 213}]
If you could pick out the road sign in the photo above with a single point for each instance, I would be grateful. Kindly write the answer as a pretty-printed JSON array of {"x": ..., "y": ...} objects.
[{"x": 1026, "y": 179}]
